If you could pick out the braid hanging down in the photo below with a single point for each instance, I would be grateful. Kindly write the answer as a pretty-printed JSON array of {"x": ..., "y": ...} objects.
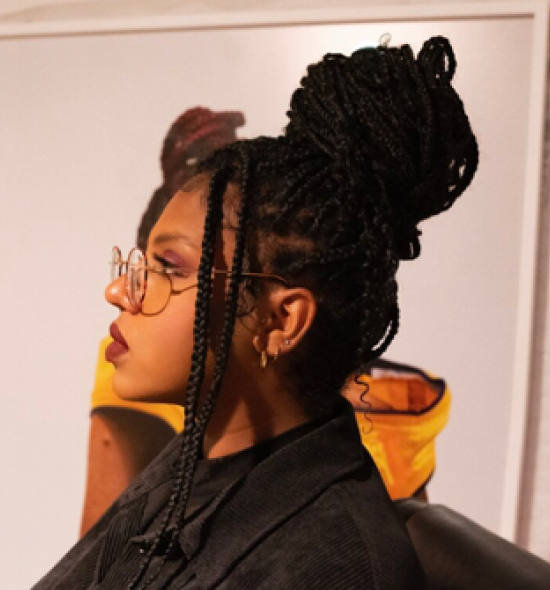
[
  {"x": 192, "y": 432},
  {"x": 376, "y": 143}
]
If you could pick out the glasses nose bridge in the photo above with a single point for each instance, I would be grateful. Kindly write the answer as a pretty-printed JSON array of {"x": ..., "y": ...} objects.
[
  {"x": 121, "y": 289},
  {"x": 123, "y": 267}
]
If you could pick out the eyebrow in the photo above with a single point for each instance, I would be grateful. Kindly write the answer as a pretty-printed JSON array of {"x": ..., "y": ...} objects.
[{"x": 174, "y": 236}]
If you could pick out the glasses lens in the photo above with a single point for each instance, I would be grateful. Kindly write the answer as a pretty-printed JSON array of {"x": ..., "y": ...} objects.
[
  {"x": 137, "y": 277},
  {"x": 159, "y": 289},
  {"x": 116, "y": 259}
]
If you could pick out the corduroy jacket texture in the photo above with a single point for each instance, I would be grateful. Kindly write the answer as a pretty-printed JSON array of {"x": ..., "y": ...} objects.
[{"x": 312, "y": 515}]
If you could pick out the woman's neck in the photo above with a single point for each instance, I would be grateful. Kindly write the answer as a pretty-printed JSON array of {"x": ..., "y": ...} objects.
[{"x": 241, "y": 421}]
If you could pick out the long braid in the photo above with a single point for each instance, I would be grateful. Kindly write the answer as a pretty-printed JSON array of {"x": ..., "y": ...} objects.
[
  {"x": 190, "y": 450},
  {"x": 232, "y": 297},
  {"x": 194, "y": 384}
]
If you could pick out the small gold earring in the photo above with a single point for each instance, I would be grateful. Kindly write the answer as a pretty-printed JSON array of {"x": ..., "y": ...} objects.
[
  {"x": 276, "y": 355},
  {"x": 263, "y": 359}
]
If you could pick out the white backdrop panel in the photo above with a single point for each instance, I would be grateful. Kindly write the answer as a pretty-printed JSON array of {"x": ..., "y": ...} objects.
[{"x": 82, "y": 119}]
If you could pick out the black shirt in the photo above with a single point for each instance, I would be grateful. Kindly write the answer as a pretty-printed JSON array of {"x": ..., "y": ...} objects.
[
  {"x": 213, "y": 475},
  {"x": 304, "y": 511}
]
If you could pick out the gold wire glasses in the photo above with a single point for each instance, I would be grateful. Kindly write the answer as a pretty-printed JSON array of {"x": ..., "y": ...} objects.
[{"x": 149, "y": 289}]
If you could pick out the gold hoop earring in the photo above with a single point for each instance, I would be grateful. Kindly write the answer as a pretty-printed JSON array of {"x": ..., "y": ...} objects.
[{"x": 263, "y": 359}]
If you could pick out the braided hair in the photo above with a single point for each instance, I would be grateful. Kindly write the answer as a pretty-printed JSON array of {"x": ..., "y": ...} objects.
[{"x": 375, "y": 143}]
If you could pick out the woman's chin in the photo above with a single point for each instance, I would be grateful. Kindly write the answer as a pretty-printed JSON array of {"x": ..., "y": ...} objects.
[{"x": 132, "y": 389}]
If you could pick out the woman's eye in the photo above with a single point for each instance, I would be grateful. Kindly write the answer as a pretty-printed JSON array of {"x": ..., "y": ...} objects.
[
  {"x": 175, "y": 269},
  {"x": 178, "y": 272}
]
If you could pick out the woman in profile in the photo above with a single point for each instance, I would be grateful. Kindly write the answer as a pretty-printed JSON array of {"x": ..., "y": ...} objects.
[{"x": 268, "y": 279}]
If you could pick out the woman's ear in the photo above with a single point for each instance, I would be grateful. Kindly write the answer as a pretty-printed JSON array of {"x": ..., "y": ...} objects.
[{"x": 285, "y": 316}]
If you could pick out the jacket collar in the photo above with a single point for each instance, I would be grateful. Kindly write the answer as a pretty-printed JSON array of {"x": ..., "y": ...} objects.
[{"x": 277, "y": 488}]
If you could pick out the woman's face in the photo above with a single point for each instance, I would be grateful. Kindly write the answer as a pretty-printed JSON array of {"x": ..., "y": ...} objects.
[{"x": 153, "y": 363}]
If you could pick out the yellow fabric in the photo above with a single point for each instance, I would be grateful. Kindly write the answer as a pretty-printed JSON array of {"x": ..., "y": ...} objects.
[
  {"x": 403, "y": 415},
  {"x": 406, "y": 414}
]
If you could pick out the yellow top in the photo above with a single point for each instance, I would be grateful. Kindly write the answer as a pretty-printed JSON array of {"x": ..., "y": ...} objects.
[{"x": 399, "y": 418}]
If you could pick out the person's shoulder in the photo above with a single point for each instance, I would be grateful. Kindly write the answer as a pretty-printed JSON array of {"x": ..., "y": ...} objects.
[
  {"x": 361, "y": 528},
  {"x": 379, "y": 531},
  {"x": 336, "y": 541}
]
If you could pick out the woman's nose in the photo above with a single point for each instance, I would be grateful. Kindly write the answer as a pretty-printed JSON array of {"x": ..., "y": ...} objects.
[{"x": 116, "y": 294}]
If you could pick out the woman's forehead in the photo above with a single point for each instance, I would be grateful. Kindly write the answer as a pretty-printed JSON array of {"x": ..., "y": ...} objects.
[
  {"x": 184, "y": 215},
  {"x": 183, "y": 221}
]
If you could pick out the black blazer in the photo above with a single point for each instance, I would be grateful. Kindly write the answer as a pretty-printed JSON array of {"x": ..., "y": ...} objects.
[{"x": 312, "y": 515}]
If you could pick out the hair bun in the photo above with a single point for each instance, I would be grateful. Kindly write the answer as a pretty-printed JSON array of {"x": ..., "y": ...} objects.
[{"x": 394, "y": 126}]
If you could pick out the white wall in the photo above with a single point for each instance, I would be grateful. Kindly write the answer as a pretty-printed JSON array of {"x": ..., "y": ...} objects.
[
  {"x": 78, "y": 159},
  {"x": 534, "y": 523}
]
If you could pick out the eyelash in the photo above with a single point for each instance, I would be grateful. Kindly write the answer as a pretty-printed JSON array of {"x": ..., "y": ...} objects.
[{"x": 166, "y": 264}]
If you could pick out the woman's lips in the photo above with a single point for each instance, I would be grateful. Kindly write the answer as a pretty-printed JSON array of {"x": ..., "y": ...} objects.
[{"x": 118, "y": 347}]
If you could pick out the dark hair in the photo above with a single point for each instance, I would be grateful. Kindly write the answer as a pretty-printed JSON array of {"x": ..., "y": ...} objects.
[
  {"x": 194, "y": 135},
  {"x": 376, "y": 143}
]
